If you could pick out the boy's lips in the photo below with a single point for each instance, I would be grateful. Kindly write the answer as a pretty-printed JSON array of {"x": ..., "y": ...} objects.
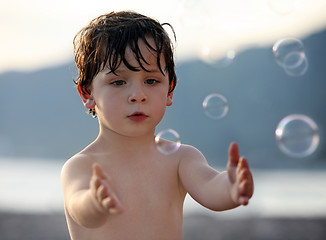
[{"x": 138, "y": 116}]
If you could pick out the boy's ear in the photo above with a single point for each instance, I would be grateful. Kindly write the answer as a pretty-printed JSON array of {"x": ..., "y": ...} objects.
[
  {"x": 169, "y": 99},
  {"x": 87, "y": 98}
]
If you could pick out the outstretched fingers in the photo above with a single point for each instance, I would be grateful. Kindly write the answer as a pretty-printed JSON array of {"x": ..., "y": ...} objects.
[
  {"x": 245, "y": 181},
  {"x": 109, "y": 199},
  {"x": 98, "y": 171},
  {"x": 233, "y": 161},
  {"x": 240, "y": 176},
  {"x": 103, "y": 192},
  {"x": 233, "y": 154}
]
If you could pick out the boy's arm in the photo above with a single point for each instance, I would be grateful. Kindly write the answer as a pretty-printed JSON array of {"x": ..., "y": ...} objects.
[
  {"x": 88, "y": 193},
  {"x": 212, "y": 189}
]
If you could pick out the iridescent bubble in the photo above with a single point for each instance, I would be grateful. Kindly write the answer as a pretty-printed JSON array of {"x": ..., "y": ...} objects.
[
  {"x": 215, "y": 106},
  {"x": 167, "y": 141},
  {"x": 299, "y": 68},
  {"x": 210, "y": 56},
  {"x": 290, "y": 54},
  {"x": 297, "y": 135}
]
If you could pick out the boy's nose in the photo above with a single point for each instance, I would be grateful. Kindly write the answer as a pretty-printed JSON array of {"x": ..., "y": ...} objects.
[{"x": 137, "y": 96}]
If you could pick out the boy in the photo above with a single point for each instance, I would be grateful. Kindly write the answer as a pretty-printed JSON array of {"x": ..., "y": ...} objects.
[{"x": 121, "y": 186}]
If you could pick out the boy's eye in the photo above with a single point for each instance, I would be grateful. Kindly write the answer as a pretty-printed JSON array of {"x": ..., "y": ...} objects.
[
  {"x": 151, "y": 81},
  {"x": 118, "y": 83}
]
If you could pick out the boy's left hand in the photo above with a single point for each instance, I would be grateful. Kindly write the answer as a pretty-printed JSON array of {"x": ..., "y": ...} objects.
[{"x": 240, "y": 176}]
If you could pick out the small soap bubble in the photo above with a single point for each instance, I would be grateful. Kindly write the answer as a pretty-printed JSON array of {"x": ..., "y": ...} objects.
[
  {"x": 218, "y": 61},
  {"x": 167, "y": 141},
  {"x": 215, "y": 106},
  {"x": 290, "y": 54},
  {"x": 297, "y": 135}
]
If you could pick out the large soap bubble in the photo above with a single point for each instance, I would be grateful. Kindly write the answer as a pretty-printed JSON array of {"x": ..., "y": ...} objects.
[
  {"x": 290, "y": 54},
  {"x": 167, "y": 141},
  {"x": 209, "y": 55},
  {"x": 215, "y": 106},
  {"x": 297, "y": 135}
]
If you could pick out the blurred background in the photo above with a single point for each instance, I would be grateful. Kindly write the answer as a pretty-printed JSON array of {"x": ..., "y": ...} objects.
[{"x": 248, "y": 71}]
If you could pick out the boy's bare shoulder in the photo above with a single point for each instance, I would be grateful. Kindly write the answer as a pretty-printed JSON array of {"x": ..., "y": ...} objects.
[
  {"x": 76, "y": 173},
  {"x": 79, "y": 164},
  {"x": 78, "y": 160},
  {"x": 188, "y": 152}
]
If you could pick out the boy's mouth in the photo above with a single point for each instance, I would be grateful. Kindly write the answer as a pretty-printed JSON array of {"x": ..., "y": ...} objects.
[{"x": 137, "y": 116}]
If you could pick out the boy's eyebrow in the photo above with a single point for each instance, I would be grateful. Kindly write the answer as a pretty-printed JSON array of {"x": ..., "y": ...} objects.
[
  {"x": 154, "y": 70},
  {"x": 116, "y": 72}
]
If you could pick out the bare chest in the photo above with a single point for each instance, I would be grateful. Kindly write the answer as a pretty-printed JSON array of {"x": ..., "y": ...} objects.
[
  {"x": 153, "y": 203},
  {"x": 148, "y": 188}
]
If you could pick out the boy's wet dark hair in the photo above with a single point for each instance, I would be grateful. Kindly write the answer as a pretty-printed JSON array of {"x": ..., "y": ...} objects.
[{"x": 104, "y": 40}]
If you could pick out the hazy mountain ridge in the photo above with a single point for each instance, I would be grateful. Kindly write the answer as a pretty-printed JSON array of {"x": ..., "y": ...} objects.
[{"x": 42, "y": 114}]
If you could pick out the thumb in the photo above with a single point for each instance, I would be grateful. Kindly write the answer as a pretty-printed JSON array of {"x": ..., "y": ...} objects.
[{"x": 233, "y": 154}]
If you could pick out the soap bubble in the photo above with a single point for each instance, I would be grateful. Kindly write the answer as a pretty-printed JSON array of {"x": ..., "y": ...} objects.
[
  {"x": 209, "y": 55},
  {"x": 299, "y": 68},
  {"x": 297, "y": 135},
  {"x": 290, "y": 54},
  {"x": 167, "y": 141},
  {"x": 215, "y": 106}
]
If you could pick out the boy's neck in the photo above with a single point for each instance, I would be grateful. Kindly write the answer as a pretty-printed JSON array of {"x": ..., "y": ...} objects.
[{"x": 108, "y": 140}]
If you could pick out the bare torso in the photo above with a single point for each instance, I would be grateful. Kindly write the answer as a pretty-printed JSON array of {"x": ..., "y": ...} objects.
[{"x": 152, "y": 196}]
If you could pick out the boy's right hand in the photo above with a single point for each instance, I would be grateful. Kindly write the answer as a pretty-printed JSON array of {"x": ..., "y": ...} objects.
[{"x": 102, "y": 192}]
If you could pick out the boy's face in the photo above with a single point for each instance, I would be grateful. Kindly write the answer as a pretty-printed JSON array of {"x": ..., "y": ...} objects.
[{"x": 130, "y": 102}]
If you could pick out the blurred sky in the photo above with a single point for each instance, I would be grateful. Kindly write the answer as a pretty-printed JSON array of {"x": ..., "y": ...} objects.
[{"x": 39, "y": 33}]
